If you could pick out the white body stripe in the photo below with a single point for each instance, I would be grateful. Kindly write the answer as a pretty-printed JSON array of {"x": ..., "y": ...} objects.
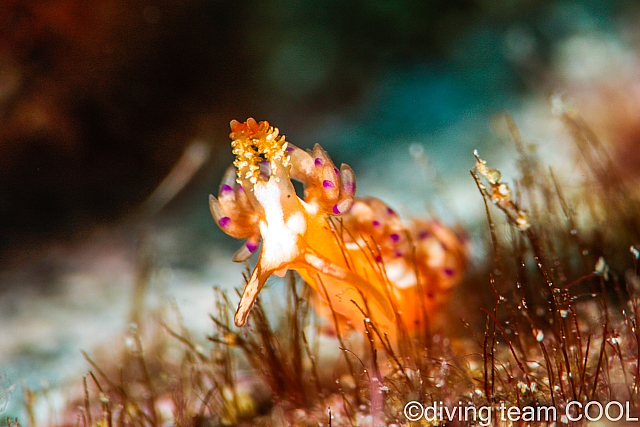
[{"x": 279, "y": 236}]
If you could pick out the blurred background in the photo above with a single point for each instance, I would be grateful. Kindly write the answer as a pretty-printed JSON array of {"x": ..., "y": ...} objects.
[{"x": 101, "y": 100}]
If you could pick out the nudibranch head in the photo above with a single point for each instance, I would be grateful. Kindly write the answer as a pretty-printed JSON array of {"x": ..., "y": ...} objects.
[{"x": 254, "y": 143}]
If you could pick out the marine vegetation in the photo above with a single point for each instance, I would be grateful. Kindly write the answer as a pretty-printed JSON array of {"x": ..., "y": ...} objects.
[{"x": 546, "y": 325}]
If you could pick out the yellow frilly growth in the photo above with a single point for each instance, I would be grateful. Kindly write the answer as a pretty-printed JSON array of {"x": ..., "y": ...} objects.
[{"x": 252, "y": 143}]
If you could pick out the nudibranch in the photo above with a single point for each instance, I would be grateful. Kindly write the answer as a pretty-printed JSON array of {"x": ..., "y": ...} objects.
[{"x": 355, "y": 253}]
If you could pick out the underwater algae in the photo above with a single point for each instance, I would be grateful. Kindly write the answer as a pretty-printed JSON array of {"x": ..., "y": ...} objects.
[{"x": 548, "y": 325}]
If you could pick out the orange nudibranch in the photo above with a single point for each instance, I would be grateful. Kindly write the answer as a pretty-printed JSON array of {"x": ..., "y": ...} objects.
[{"x": 355, "y": 253}]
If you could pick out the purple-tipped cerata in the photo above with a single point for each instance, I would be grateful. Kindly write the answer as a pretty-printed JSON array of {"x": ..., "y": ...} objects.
[
  {"x": 423, "y": 234},
  {"x": 349, "y": 187}
]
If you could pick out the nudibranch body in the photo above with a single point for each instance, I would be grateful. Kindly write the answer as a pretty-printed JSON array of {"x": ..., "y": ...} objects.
[{"x": 355, "y": 253}]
